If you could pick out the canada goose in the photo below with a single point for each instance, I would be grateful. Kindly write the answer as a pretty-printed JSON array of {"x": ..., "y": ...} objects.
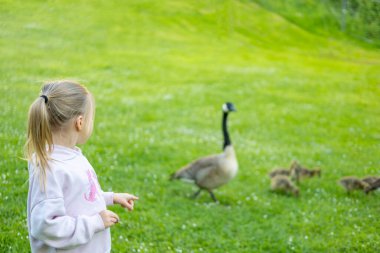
[
  {"x": 353, "y": 183},
  {"x": 279, "y": 171},
  {"x": 282, "y": 183},
  {"x": 373, "y": 186},
  {"x": 213, "y": 171}
]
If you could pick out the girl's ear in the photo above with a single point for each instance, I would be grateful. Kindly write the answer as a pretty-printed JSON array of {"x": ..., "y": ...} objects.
[{"x": 79, "y": 123}]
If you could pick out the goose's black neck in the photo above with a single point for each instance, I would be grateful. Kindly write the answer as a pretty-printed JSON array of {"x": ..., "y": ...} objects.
[{"x": 226, "y": 136}]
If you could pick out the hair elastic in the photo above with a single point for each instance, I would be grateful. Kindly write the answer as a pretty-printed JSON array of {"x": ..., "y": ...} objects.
[{"x": 45, "y": 98}]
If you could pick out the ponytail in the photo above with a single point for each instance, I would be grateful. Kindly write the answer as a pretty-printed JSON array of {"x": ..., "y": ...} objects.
[
  {"x": 40, "y": 138},
  {"x": 60, "y": 101}
]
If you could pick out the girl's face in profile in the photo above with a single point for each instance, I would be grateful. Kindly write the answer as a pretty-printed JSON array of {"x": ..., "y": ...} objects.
[{"x": 88, "y": 122}]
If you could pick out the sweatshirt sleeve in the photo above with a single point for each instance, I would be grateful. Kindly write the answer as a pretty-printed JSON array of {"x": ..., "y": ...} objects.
[
  {"x": 50, "y": 224},
  {"x": 108, "y": 198}
]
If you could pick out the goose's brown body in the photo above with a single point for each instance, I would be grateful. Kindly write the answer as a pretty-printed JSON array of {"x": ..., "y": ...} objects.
[{"x": 210, "y": 172}]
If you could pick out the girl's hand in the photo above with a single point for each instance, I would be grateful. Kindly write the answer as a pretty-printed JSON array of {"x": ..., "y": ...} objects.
[
  {"x": 109, "y": 218},
  {"x": 126, "y": 200}
]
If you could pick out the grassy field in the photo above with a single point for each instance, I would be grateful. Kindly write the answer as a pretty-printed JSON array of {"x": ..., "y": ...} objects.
[{"x": 160, "y": 72}]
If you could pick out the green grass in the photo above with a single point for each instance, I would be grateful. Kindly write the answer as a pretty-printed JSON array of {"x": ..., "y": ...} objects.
[{"x": 160, "y": 71}]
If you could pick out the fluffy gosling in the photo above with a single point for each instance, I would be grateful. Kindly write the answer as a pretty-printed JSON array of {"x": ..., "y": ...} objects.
[
  {"x": 295, "y": 171},
  {"x": 373, "y": 186},
  {"x": 308, "y": 173},
  {"x": 279, "y": 171},
  {"x": 281, "y": 183},
  {"x": 370, "y": 179},
  {"x": 353, "y": 183}
]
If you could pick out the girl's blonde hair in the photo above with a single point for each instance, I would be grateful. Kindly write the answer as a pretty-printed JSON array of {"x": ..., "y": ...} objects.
[{"x": 59, "y": 102}]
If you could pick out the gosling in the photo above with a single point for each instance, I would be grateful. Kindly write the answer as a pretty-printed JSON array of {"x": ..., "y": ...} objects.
[
  {"x": 370, "y": 179},
  {"x": 374, "y": 186},
  {"x": 295, "y": 171},
  {"x": 281, "y": 183},
  {"x": 353, "y": 183},
  {"x": 307, "y": 173},
  {"x": 279, "y": 171}
]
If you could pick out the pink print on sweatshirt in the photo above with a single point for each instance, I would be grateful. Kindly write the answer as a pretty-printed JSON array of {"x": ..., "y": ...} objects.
[{"x": 91, "y": 196}]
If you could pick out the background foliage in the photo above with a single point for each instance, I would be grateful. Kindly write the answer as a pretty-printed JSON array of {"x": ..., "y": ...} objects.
[{"x": 355, "y": 19}]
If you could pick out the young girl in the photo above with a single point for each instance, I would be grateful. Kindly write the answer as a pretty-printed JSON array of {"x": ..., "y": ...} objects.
[{"x": 66, "y": 206}]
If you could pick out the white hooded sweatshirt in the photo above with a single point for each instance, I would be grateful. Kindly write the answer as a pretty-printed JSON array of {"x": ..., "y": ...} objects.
[{"x": 65, "y": 217}]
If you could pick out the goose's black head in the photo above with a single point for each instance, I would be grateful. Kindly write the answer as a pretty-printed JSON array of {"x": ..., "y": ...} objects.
[{"x": 228, "y": 107}]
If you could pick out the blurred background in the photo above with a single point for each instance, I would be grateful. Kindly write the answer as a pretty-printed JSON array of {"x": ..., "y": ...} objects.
[
  {"x": 359, "y": 19},
  {"x": 305, "y": 79}
]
